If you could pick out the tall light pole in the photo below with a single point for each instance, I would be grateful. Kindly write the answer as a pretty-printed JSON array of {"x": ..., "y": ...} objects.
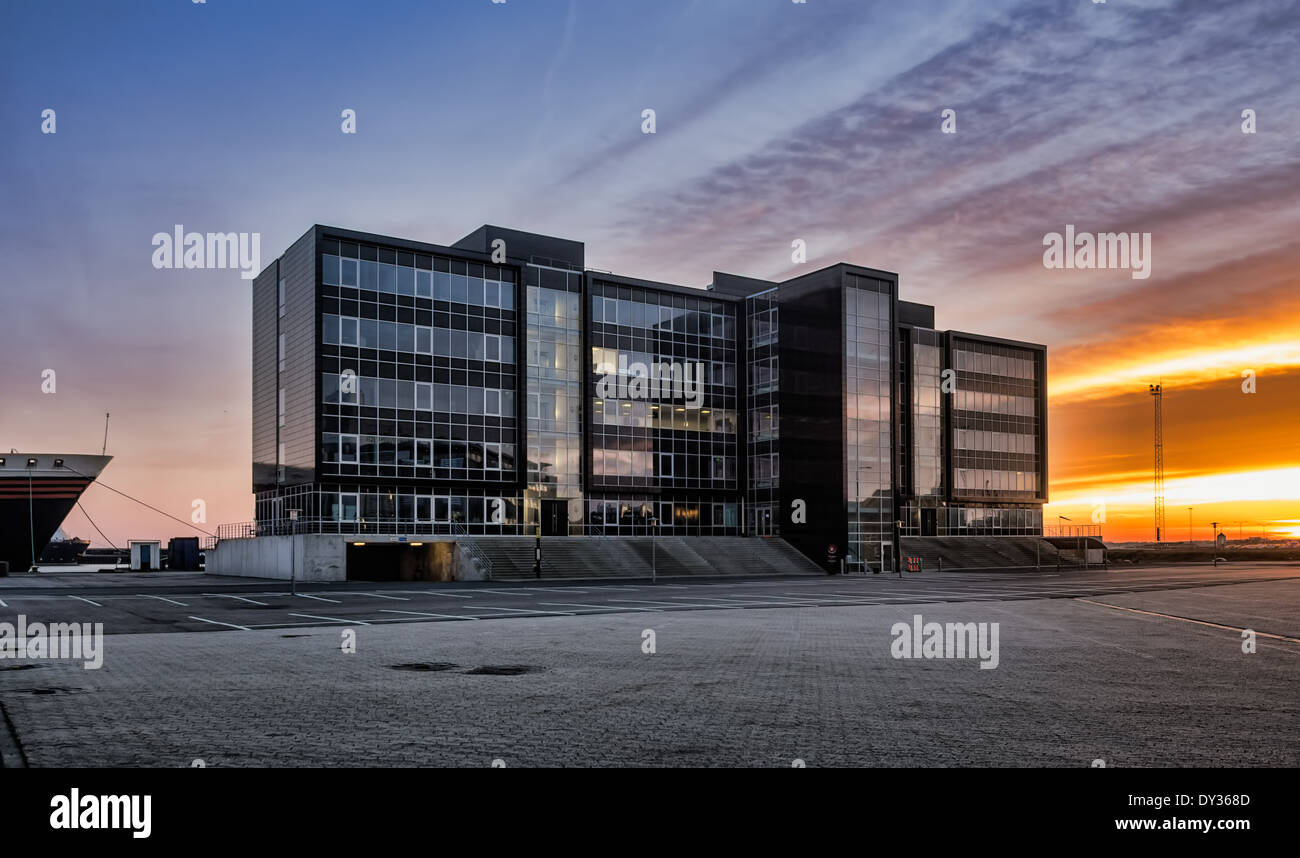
[
  {"x": 293, "y": 552},
  {"x": 1157, "y": 393},
  {"x": 654, "y": 556},
  {"x": 1189, "y": 525},
  {"x": 31, "y": 515}
]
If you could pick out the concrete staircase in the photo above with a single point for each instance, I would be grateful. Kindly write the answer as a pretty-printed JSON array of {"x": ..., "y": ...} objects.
[
  {"x": 630, "y": 557},
  {"x": 982, "y": 552}
]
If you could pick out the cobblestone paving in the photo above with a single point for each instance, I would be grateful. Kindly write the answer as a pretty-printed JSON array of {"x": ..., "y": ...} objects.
[{"x": 1076, "y": 682}]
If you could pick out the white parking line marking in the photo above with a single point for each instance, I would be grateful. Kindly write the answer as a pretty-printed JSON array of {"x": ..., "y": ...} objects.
[
  {"x": 162, "y": 599},
  {"x": 435, "y": 593},
  {"x": 598, "y": 607},
  {"x": 96, "y": 604},
  {"x": 739, "y": 602},
  {"x": 666, "y": 604},
  {"x": 320, "y": 598},
  {"x": 382, "y": 596},
  {"x": 2, "y": 604},
  {"x": 427, "y": 614},
  {"x": 285, "y": 625},
  {"x": 523, "y": 610},
  {"x": 509, "y": 592},
  {"x": 794, "y": 600},
  {"x": 332, "y": 619},
  {"x": 240, "y": 598},
  {"x": 219, "y": 623},
  {"x": 1189, "y": 620}
]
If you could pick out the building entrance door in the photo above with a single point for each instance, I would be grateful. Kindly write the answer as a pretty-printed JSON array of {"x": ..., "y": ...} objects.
[
  {"x": 555, "y": 517},
  {"x": 929, "y": 522}
]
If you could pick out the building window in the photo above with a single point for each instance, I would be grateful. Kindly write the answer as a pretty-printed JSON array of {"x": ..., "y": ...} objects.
[
  {"x": 348, "y": 449},
  {"x": 281, "y": 298},
  {"x": 280, "y": 407},
  {"x": 280, "y": 348},
  {"x": 347, "y": 507}
]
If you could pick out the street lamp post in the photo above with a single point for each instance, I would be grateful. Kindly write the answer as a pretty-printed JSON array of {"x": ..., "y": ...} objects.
[
  {"x": 654, "y": 558},
  {"x": 293, "y": 552}
]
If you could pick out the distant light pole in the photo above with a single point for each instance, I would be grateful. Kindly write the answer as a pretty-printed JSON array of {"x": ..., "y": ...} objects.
[
  {"x": 293, "y": 552},
  {"x": 654, "y": 558},
  {"x": 1189, "y": 525},
  {"x": 31, "y": 515}
]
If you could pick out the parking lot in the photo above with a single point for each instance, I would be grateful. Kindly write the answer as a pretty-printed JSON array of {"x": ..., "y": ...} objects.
[
  {"x": 1130, "y": 668},
  {"x": 129, "y": 603}
]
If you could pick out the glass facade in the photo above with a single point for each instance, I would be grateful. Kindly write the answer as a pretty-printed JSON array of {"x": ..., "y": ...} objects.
[
  {"x": 455, "y": 395},
  {"x": 418, "y": 360},
  {"x": 995, "y": 422},
  {"x": 554, "y": 385},
  {"x": 662, "y": 386},
  {"x": 926, "y": 453},
  {"x": 763, "y": 515},
  {"x": 868, "y": 423}
]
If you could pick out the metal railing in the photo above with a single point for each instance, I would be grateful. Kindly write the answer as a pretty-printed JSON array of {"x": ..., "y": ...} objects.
[
  {"x": 1072, "y": 531},
  {"x": 471, "y": 548},
  {"x": 360, "y": 527}
]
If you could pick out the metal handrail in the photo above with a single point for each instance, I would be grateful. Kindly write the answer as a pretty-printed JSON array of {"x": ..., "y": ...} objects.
[{"x": 472, "y": 549}]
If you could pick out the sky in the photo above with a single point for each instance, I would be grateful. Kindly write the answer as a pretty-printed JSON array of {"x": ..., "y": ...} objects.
[{"x": 775, "y": 121}]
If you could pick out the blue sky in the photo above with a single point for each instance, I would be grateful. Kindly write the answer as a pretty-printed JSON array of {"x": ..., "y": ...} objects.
[{"x": 775, "y": 121}]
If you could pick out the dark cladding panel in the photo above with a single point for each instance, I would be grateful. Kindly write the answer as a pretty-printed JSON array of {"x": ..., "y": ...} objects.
[
  {"x": 541, "y": 249},
  {"x": 812, "y": 418},
  {"x": 265, "y": 303},
  {"x": 298, "y": 325},
  {"x": 915, "y": 315}
]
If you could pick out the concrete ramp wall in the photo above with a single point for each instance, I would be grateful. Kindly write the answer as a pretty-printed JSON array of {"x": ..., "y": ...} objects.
[{"x": 315, "y": 557}]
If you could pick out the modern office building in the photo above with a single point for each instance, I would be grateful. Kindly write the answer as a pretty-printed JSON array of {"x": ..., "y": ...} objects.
[{"x": 496, "y": 386}]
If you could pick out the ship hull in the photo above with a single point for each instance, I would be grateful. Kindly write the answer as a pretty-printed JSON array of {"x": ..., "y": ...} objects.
[{"x": 35, "y": 500}]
